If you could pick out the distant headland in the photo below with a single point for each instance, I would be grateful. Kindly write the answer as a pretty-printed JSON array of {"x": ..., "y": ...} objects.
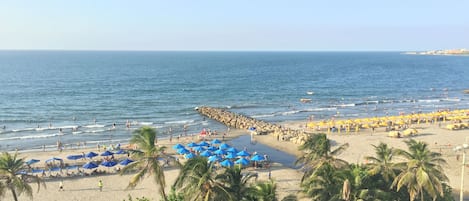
[{"x": 459, "y": 52}]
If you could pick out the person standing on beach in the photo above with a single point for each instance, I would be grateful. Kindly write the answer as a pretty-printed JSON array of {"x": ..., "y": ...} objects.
[
  {"x": 61, "y": 185},
  {"x": 100, "y": 185}
]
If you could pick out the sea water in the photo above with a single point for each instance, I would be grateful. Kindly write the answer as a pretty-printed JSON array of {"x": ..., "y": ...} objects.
[{"x": 88, "y": 97}]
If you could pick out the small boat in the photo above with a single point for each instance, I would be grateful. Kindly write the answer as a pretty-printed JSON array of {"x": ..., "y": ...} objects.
[
  {"x": 305, "y": 100},
  {"x": 309, "y": 92}
]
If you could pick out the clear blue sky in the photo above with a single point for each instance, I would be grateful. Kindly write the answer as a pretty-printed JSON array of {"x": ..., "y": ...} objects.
[{"x": 234, "y": 25}]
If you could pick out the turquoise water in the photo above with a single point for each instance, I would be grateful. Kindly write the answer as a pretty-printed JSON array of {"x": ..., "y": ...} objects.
[{"x": 92, "y": 90}]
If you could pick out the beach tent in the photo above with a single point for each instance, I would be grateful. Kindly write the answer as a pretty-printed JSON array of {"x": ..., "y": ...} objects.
[
  {"x": 108, "y": 163},
  {"x": 257, "y": 158},
  {"x": 199, "y": 149},
  {"x": 192, "y": 144},
  {"x": 243, "y": 153},
  {"x": 178, "y": 146},
  {"x": 182, "y": 151},
  {"x": 121, "y": 151},
  {"x": 190, "y": 155},
  {"x": 32, "y": 161},
  {"x": 206, "y": 153},
  {"x": 203, "y": 143},
  {"x": 227, "y": 163},
  {"x": 216, "y": 141},
  {"x": 91, "y": 154},
  {"x": 89, "y": 165},
  {"x": 230, "y": 155},
  {"x": 107, "y": 153},
  {"x": 126, "y": 161},
  {"x": 232, "y": 149},
  {"x": 74, "y": 157},
  {"x": 224, "y": 146},
  {"x": 242, "y": 161}
]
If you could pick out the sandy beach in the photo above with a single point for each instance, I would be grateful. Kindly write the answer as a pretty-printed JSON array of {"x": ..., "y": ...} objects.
[{"x": 288, "y": 180}]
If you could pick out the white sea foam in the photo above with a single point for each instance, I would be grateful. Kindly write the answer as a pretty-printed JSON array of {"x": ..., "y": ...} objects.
[
  {"x": 30, "y": 137},
  {"x": 429, "y": 100},
  {"x": 262, "y": 115},
  {"x": 291, "y": 112},
  {"x": 94, "y": 126},
  {"x": 180, "y": 121}
]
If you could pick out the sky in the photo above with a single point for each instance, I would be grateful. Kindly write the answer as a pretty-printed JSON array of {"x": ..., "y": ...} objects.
[{"x": 241, "y": 25}]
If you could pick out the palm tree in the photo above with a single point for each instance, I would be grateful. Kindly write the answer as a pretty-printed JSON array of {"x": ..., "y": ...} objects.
[
  {"x": 318, "y": 153},
  {"x": 236, "y": 183},
  {"x": 147, "y": 159},
  {"x": 325, "y": 184},
  {"x": 382, "y": 163},
  {"x": 197, "y": 180},
  {"x": 10, "y": 165},
  {"x": 264, "y": 191},
  {"x": 422, "y": 172}
]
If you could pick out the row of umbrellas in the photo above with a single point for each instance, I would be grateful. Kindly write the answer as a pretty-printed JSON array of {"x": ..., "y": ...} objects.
[{"x": 78, "y": 156}]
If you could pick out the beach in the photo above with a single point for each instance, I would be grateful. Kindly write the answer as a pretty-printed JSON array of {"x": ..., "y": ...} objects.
[{"x": 114, "y": 185}]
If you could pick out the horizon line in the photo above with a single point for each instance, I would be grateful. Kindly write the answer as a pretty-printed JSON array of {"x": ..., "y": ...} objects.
[{"x": 202, "y": 50}]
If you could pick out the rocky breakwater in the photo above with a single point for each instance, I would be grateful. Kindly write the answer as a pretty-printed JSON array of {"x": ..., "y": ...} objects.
[{"x": 240, "y": 121}]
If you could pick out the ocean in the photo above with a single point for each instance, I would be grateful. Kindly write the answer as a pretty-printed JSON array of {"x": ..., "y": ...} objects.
[{"x": 89, "y": 96}]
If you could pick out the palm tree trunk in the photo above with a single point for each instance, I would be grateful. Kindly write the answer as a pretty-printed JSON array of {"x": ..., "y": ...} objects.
[
  {"x": 163, "y": 193},
  {"x": 14, "y": 194}
]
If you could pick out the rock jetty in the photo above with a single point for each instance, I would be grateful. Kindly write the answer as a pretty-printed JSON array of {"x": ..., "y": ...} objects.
[{"x": 240, "y": 121}]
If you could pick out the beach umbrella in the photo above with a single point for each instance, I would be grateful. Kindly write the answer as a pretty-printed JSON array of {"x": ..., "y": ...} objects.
[
  {"x": 53, "y": 159},
  {"x": 21, "y": 172},
  {"x": 32, "y": 161},
  {"x": 224, "y": 146},
  {"x": 212, "y": 148},
  {"x": 206, "y": 153},
  {"x": 199, "y": 149},
  {"x": 203, "y": 143},
  {"x": 257, "y": 158},
  {"x": 242, "y": 161},
  {"x": 91, "y": 154},
  {"x": 230, "y": 155},
  {"x": 192, "y": 144},
  {"x": 182, "y": 151},
  {"x": 190, "y": 155},
  {"x": 73, "y": 167},
  {"x": 89, "y": 165},
  {"x": 243, "y": 153},
  {"x": 216, "y": 141},
  {"x": 36, "y": 171},
  {"x": 252, "y": 128},
  {"x": 227, "y": 163},
  {"x": 121, "y": 151},
  {"x": 55, "y": 169},
  {"x": 214, "y": 158},
  {"x": 232, "y": 149},
  {"x": 178, "y": 146},
  {"x": 74, "y": 157},
  {"x": 220, "y": 152},
  {"x": 107, "y": 153},
  {"x": 126, "y": 161},
  {"x": 108, "y": 163}
]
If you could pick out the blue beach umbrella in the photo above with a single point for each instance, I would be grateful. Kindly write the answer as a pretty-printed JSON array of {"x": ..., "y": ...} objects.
[
  {"x": 232, "y": 149},
  {"x": 214, "y": 158},
  {"x": 32, "y": 161},
  {"x": 182, "y": 151},
  {"x": 227, "y": 163},
  {"x": 206, "y": 153},
  {"x": 230, "y": 155},
  {"x": 199, "y": 149},
  {"x": 74, "y": 157},
  {"x": 190, "y": 155},
  {"x": 37, "y": 171},
  {"x": 89, "y": 165},
  {"x": 224, "y": 146},
  {"x": 107, "y": 153},
  {"x": 73, "y": 167},
  {"x": 108, "y": 163},
  {"x": 53, "y": 159},
  {"x": 212, "y": 148},
  {"x": 203, "y": 143},
  {"x": 91, "y": 154},
  {"x": 220, "y": 152},
  {"x": 242, "y": 161},
  {"x": 126, "y": 161},
  {"x": 55, "y": 169},
  {"x": 257, "y": 158},
  {"x": 252, "y": 128},
  {"x": 243, "y": 153},
  {"x": 216, "y": 141},
  {"x": 192, "y": 144},
  {"x": 121, "y": 151},
  {"x": 178, "y": 146}
]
